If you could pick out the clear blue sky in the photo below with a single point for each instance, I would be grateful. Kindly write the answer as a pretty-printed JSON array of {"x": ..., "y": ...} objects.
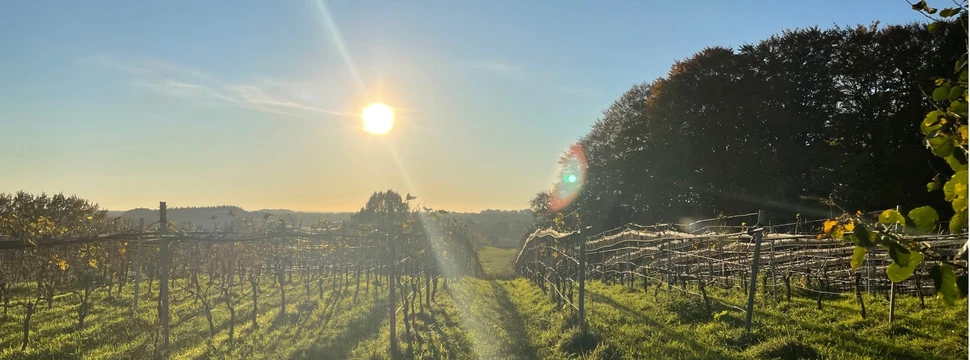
[{"x": 252, "y": 103}]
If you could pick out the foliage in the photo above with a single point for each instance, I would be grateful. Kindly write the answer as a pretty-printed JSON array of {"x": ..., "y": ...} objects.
[
  {"x": 945, "y": 129},
  {"x": 29, "y": 218},
  {"x": 769, "y": 126}
]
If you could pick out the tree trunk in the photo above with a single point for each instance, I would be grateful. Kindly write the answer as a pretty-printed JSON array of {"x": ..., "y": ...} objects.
[
  {"x": 282, "y": 296},
  {"x": 82, "y": 311},
  {"x": 357, "y": 290},
  {"x": 49, "y": 295},
  {"x": 208, "y": 317},
  {"x": 254, "y": 281},
  {"x": 232, "y": 323},
  {"x": 320, "y": 286},
  {"x": 30, "y": 312},
  {"x": 5, "y": 297}
]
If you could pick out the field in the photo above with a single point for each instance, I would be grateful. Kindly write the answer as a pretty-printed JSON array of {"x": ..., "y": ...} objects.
[
  {"x": 502, "y": 319},
  {"x": 497, "y": 262}
]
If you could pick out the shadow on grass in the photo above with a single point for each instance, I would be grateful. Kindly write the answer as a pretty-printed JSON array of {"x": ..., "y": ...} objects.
[
  {"x": 341, "y": 345},
  {"x": 430, "y": 324},
  {"x": 661, "y": 329},
  {"x": 511, "y": 321},
  {"x": 854, "y": 341}
]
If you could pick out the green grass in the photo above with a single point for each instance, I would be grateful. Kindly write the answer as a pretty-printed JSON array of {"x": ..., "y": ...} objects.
[
  {"x": 492, "y": 319},
  {"x": 313, "y": 325},
  {"x": 675, "y": 325},
  {"x": 497, "y": 262}
]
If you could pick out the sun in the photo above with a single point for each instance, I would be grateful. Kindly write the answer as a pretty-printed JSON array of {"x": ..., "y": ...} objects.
[{"x": 378, "y": 118}]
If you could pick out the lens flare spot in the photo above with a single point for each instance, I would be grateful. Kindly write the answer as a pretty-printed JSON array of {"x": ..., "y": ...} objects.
[{"x": 573, "y": 170}]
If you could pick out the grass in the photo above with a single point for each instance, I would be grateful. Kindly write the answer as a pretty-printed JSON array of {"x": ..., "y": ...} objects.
[
  {"x": 497, "y": 262},
  {"x": 503, "y": 319}
]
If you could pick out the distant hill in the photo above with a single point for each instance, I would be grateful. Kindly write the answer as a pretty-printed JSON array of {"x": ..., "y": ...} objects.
[
  {"x": 202, "y": 216},
  {"x": 494, "y": 227},
  {"x": 501, "y": 228}
]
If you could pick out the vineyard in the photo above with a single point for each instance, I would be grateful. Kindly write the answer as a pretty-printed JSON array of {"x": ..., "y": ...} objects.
[
  {"x": 274, "y": 289},
  {"x": 727, "y": 253},
  {"x": 612, "y": 262},
  {"x": 148, "y": 273}
]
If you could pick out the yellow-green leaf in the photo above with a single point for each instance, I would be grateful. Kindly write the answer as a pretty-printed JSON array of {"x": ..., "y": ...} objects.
[
  {"x": 958, "y": 223},
  {"x": 941, "y": 146},
  {"x": 941, "y": 92},
  {"x": 959, "y": 107},
  {"x": 931, "y": 122},
  {"x": 899, "y": 273},
  {"x": 955, "y": 190},
  {"x": 955, "y": 163},
  {"x": 890, "y": 217},
  {"x": 924, "y": 217},
  {"x": 858, "y": 256},
  {"x": 862, "y": 236},
  {"x": 899, "y": 254},
  {"x": 945, "y": 282},
  {"x": 838, "y": 233},
  {"x": 948, "y": 12}
]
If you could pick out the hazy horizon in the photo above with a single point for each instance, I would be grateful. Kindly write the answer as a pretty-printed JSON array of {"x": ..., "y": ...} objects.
[
  {"x": 127, "y": 104},
  {"x": 414, "y": 206}
]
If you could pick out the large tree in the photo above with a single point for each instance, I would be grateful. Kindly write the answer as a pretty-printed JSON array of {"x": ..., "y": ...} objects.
[{"x": 805, "y": 114}]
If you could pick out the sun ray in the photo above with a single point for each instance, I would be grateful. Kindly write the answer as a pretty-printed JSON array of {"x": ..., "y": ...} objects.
[
  {"x": 330, "y": 27},
  {"x": 466, "y": 317}
]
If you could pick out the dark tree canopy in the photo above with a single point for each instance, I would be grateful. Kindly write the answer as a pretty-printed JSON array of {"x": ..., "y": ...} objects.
[{"x": 806, "y": 114}]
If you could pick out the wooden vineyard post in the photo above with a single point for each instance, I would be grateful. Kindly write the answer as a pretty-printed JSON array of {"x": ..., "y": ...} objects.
[
  {"x": 892, "y": 301},
  {"x": 582, "y": 280},
  {"x": 670, "y": 272},
  {"x": 858, "y": 295},
  {"x": 771, "y": 266},
  {"x": 758, "y": 233},
  {"x": 707, "y": 303},
  {"x": 427, "y": 272},
  {"x": 392, "y": 281},
  {"x": 919, "y": 290},
  {"x": 892, "y": 290},
  {"x": 645, "y": 275},
  {"x": 869, "y": 254},
  {"x": 138, "y": 253},
  {"x": 820, "y": 289},
  {"x": 535, "y": 264},
  {"x": 788, "y": 287},
  {"x": 164, "y": 260}
]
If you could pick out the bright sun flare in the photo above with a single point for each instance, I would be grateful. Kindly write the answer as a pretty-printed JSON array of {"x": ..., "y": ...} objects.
[{"x": 378, "y": 118}]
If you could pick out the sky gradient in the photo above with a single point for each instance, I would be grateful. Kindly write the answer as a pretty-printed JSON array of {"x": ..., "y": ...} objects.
[{"x": 254, "y": 103}]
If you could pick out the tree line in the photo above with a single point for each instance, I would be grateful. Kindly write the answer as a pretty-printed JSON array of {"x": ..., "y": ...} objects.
[{"x": 803, "y": 116}]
